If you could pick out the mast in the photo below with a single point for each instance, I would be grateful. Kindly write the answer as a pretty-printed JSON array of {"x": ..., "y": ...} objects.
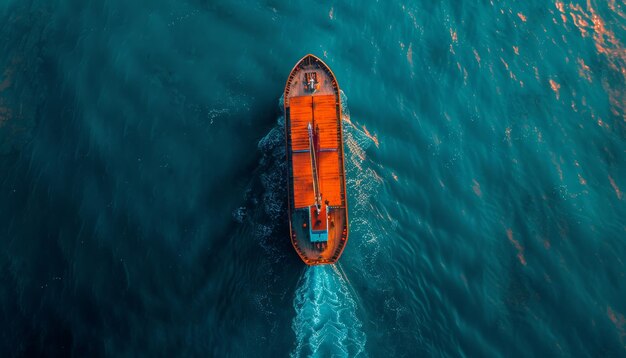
[{"x": 316, "y": 189}]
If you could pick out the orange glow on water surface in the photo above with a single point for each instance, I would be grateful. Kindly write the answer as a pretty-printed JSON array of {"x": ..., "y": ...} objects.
[
  {"x": 583, "y": 70},
  {"x": 616, "y": 188},
  {"x": 517, "y": 245},
  {"x": 591, "y": 24},
  {"x": 618, "y": 321},
  {"x": 555, "y": 87}
]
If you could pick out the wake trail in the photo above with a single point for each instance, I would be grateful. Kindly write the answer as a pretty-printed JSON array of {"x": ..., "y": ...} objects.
[{"x": 326, "y": 323}]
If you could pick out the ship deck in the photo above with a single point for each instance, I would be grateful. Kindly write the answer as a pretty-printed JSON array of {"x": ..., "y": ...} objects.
[
  {"x": 319, "y": 253},
  {"x": 321, "y": 112}
]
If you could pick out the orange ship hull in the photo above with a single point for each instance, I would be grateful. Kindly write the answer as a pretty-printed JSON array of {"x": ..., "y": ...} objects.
[{"x": 318, "y": 209}]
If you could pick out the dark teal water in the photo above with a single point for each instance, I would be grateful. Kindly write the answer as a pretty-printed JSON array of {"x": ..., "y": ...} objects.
[{"x": 142, "y": 179}]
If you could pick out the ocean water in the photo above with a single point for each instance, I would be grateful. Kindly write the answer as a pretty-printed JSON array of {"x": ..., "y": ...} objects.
[{"x": 142, "y": 179}]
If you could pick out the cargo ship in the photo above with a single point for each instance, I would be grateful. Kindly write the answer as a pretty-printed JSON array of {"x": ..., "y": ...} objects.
[{"x": 318, "y": 209}]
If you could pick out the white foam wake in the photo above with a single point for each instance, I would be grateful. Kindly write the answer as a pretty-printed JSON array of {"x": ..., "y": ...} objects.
[{"x": 326, "y": 323}]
